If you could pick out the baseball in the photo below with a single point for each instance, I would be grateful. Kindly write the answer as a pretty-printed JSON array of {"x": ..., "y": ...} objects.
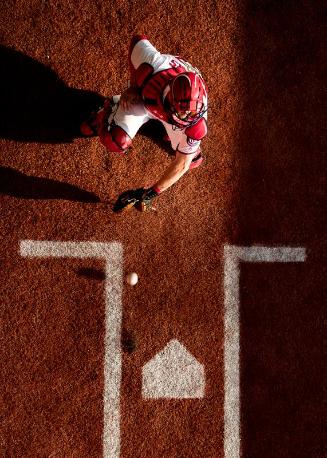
[{"x": 132, "y": 278}]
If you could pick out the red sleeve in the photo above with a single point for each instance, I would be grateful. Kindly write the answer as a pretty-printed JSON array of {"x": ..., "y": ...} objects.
[{"x": 134, "y": 41}]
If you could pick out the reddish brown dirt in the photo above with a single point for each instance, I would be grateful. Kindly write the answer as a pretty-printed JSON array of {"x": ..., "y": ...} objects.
[
  {"x": 264, "y": 182},
  {"x": 282, "y": 197}
]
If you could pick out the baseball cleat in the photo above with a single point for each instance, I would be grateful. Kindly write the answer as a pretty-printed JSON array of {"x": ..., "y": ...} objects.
[{"x": 87, "y": 130}]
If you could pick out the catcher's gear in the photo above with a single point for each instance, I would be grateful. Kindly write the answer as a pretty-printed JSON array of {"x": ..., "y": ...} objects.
[
  {"x": 90, "y": 127},
  {"x": 197, "y": 131},
  {"x": 115, "y": 140},
  {"x": 140, "y": 198},
  {"x": 187, "y": 98}
]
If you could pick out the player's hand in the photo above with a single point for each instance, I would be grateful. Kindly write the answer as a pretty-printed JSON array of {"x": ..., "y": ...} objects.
[
  {"x": 140, "y": 198},
  {"x": 130, "y": 97}
]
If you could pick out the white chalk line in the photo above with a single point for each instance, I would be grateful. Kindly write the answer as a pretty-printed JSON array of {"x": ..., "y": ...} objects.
[
  {"x": 112, "y": 253},
  {"x": 233, "y": 256}
]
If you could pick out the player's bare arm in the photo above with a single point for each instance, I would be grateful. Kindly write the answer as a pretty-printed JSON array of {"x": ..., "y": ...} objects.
[
  {"x": 179, "y": 166},
  {"x": 142, "y": 198}
]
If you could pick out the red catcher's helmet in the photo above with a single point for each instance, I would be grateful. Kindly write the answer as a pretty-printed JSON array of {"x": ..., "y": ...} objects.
[{"x": 187, "y": 98}]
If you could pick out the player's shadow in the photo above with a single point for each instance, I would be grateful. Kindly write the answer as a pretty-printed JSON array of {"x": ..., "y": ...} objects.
[
  {"x": 16, "y": 184},
  {"x": 36, "y": 105}
]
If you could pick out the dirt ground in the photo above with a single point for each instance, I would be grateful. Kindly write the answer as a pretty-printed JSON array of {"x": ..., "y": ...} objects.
[{"x": 263, "y": 183}]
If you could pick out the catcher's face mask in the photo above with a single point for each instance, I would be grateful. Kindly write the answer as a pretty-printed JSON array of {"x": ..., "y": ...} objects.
[{"x": 187, "y": 98}]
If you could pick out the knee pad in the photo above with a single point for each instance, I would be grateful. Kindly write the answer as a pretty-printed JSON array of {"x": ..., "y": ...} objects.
[{"x": 116, "y": 140}]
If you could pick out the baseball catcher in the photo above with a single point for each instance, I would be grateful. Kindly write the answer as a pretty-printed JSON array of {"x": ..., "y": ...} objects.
[{"x": 162, "y": 87}]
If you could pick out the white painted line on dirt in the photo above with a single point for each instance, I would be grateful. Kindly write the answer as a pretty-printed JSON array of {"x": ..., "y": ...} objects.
[
  {"x": 173, "y": 373},
  {"x": 112, "y": 253},
  {"x": 233, "y": 256}
]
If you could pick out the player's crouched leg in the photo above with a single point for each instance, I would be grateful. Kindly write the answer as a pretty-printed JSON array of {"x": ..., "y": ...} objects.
[
  {"x": 116, "y": 140},
  {"x": 197, "y": 160},
  {"x": 90, "y": 127}
]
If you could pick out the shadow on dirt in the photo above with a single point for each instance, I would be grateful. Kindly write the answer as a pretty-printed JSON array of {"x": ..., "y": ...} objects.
[
  {"x": 128, "y": 341},
  {"x": 17, "y": 184},
  {"x": 93, "y": 274},
  {"x": 36, "y": 105},
  {"x": 282, "y": 194}
]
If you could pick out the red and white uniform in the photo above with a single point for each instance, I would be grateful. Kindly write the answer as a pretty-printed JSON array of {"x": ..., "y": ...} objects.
[{"x": 151, "y": 72}]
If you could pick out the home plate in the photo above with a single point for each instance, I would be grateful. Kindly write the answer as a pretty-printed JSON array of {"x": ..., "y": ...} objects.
[{"x": 173, "y": 373}]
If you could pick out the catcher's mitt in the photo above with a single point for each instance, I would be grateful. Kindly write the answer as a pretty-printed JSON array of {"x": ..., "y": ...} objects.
[{"x": 140, "y": 198}]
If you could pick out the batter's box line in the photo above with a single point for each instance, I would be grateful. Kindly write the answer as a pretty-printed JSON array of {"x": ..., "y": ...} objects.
[{"x": 233, "y": 257}]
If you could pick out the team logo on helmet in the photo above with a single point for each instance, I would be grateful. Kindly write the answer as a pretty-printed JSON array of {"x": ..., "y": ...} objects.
[{"x": 187, "y": 98}]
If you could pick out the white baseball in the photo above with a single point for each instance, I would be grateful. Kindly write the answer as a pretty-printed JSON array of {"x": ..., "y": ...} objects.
[{"x": 132, "y": 278}]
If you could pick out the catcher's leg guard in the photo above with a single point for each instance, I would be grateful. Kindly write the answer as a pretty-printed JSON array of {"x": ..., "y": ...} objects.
[
  {"x": 116, "y": 140},
  {"x": 89, "y": 128}
]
